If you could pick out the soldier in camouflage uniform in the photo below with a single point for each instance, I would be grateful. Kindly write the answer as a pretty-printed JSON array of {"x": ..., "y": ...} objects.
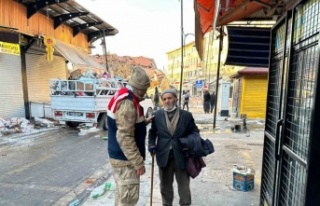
[{"x": 127, "y": 133}]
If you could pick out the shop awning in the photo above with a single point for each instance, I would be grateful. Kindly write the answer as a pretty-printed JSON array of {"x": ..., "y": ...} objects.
[
  {"x": 251, "y": 71},
  {"x": 76, "y": 55},
  {"x": 72, "y": 14},
  {"x": 230, "y": 11}
]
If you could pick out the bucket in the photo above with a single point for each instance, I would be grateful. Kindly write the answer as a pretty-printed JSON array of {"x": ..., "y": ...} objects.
[{"x": 243, "y": 178}]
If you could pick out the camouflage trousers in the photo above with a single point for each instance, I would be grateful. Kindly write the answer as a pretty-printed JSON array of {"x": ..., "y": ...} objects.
[{"x": 127, "y": 186}]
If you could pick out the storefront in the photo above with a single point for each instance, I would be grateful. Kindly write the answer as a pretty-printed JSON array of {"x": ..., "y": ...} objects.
[
  {"x": 11, "y": 77},
  {"x": 27, "y": 61},
  {"x": 39, "y": 71}
]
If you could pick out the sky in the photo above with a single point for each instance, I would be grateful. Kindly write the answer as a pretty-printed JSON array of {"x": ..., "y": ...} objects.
[{"x": 148, "y": 28}]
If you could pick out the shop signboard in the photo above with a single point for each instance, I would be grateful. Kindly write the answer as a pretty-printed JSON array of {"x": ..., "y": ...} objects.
[
  {"x": 199, "y": 84},
  {"x": 9, "y": 48}
]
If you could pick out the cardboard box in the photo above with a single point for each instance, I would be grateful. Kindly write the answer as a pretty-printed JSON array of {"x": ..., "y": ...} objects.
[
  {"x": 84, "y": 86},
  {"x": 243, "y": 182}
]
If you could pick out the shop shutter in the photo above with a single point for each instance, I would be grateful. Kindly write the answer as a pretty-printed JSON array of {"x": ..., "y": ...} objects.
[
  {"x": 254, "y": 95},
  {"x": 11, "y": 96},
  {"x": 39, "y": 71}
]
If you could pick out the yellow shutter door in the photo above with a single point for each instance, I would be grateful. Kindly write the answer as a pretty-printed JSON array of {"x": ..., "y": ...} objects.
[{"x": 254, "y": 96}]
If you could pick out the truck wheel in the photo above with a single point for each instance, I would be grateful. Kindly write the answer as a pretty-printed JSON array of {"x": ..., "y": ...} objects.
[
  {"x": 103, "y": 122},
  {"x": 72, "y": 124}
]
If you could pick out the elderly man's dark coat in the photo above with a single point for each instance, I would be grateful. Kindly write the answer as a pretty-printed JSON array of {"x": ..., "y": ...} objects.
[
  {"x": 196, "y": 146},
  {"x": 160, "y": 136}
]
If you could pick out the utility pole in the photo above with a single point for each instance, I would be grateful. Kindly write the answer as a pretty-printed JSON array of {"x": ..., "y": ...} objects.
[
  {"x": 182, "y": 38},
  {"x": 105, "y": 49},
  {"x": 218, "y": 74}
]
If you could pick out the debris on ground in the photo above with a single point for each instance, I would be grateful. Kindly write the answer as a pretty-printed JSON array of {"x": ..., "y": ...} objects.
[
  {"x": 14, "y": 125},
  {"x": 41, "y": 122},
  {"x": 86, "y": 130},
  {"x": 102, "y": 189},
  {"x": 22, "y": 125}
]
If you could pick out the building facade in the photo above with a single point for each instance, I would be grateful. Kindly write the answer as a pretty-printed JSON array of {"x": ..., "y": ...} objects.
[
  {"x": 196, "y": 69},
  {"x": 192, "y": 69},
  {"x": 37, "y": 42}
]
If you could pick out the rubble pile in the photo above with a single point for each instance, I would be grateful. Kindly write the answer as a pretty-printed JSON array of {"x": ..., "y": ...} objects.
[
  {"x": 13, "y": 125},
  {"x": 21, "y": 125}
]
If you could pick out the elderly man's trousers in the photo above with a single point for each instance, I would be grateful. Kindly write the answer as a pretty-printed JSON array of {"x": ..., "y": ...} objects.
[{"x": 166, "y": 175}]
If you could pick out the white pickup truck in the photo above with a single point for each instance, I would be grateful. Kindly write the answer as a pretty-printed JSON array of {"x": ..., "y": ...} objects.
[{"x": 74, "y": 102}]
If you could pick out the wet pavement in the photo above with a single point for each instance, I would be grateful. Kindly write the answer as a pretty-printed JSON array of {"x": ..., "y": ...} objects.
[
  {"x": 40, "y": 169},
  {"x": 234, "y": 142},
  {"x": 214, "y": 185}
]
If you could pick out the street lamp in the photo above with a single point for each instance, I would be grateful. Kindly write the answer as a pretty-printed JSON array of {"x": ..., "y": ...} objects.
[
  {"x": 183, "y": 38},
  {"x": 182, "y": 62}
]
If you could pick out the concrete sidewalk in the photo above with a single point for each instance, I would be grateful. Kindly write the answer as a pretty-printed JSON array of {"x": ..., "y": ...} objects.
[{"x": 214, "y": 184}]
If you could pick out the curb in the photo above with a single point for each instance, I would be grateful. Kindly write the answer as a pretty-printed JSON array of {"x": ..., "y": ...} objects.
[{"x": 79, "y": 194}]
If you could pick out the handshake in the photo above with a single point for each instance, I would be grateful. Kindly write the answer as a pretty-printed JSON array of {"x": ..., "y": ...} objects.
[{"x": 152, "y": 149}]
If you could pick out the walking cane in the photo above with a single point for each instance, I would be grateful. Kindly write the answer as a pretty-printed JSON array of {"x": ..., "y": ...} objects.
[{"x": 152, "y": 169}]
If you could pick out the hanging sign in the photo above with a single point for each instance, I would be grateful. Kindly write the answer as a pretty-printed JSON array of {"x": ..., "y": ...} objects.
[
  {"x": 49, "y": 41},
  {"x": 199, "y": 84}
]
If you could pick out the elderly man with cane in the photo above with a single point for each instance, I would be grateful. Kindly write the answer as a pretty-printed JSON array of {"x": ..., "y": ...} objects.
[{"x": 169, "y": 124}]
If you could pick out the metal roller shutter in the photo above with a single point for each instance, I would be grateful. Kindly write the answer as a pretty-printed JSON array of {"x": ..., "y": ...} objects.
[
  {"x": 11, "y": 97},
  {"x": 39, "y": 71},
  {"x": 254, "y": 96}
]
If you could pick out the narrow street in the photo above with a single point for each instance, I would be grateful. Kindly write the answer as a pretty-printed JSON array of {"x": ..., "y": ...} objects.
[
  {"x": 58, "y": 167},
  {"x": 214, "y": 185},
  {"x": 42, "y": 169}
]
